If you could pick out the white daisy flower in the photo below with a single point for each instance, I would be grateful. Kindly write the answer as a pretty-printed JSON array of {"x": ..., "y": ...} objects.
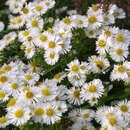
[
  {"x": 119, "y": 13},
  {"x": 4, "y": 122},
  {"x": 29, "y": 52},
  {"x": 108, "y": 19},
  {"x": 51, "y": 114},
  {"x": 18, "y": 115},
  {"x": 59, "y": 77},
  {"x": 3, "y": 96},
  {"x": 93, "y": 88},
  {"x": 72, "y": 12},
  {"x": 74, "y": 96}
]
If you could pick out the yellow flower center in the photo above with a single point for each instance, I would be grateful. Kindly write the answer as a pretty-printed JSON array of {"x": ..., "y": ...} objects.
[
  {"x": 47, "y": 3},
  {"x": 57, "y": 98},
  {"x": 100, "y": 64},
  {"x": 12, "y": 102},
  {"x": 128, "y": 74},
  {"x": 19, "y": 20},
  {"x": 121, "y": 69},
  {"x": 46, "y": 92},
  {"x": 28, "y": 50},
  {"x": 34, "y": 23},
  {"x": 52, "y": 55},
  {"x": 59, "y": 108},
  {"x": 106, "y": 19},
  {"x": 75, "y": 68},
  {"x": 57, "y": 76},
  {"x": 3, "y": 79},
  {"x": 107, "y": 33},
  {"x": 16, "y": 6},
  {"x": 92, "y": 19},
  {"x": 29, "y": 38},
  {"x": 2, "y": 95},
  {"x": 49, "y": 112},
  {"x": 2, "y": 71},
  {"x": 79, "y": 22},
  {"x": 67, "y": 21},
  {"x": 7, "y": 68},
  {"x": 112, "y": 121},
  {"x": 25, "y": 33},
  {"x": 119, "y": 51},
  {"x": 94, "y": 99},
  {"x": 25, "y": 10},
  {"x": 50, "y": 30},
  {"x": 95, "y": 8},
  {"x": 52, "y": 44},
  {"x": 8, "y": 38},
  {"x": 101, "y": 43},
  {"x": 86, "y": 116},
  {"x": 28, "y": 77},
  {"x": 19, "y": 113},
  {"x": 91, "y": 32},
  {"x": 14, "y": 85},
  {"x": 76, "y": 93},
  {"x": 117, "y": 13},
  {"x": 38, "y": 8},
  {"x": 124, "y": 108},
  {"x": 29, "y": 94},
  {"x": 2, "y": 120},
  {"x": 43, "y": 38},
  {"x": 92, "y": 88},
  {"x": 83, "y": 67},
  {"x": 120, "y": 38},
  {"x": 39, "y": 111}
]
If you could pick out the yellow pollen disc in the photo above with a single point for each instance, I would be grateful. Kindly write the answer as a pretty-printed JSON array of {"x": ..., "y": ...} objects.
[
  {"x": 94, "y": 99},
  {"x": 57, "y": 98},
  {"x": 49, "y": 112},
  {"x": 119, "y": 51},
  {"x": 29, "y": 94},
  {"x": 76, "y": 93},
  {"x": 2, "y": 120},
  {"x": 106, "y": 19},
  {"x": 29, "y": 38},
  {"x": 7, "y": 68},
  {"x": 25, "y": 33},
  {"x": 3, "y": 79},
  {"x": 2, "y": 71},
  {"x": 124, "y": 108},
  {"x": 59, "y": 108},
  {"x": 8, "y": 38},
  {"x": 86, "y": 115},
  {"x": 112, "y": 121},
  {"x": 128, "y": 74},
  {"x": 38, "y": 8},
  {"x": 95, "y": 8},
  {"x": 39, "y": 111},
  {"x": 67, "y": 21},
  {"x": 50, "y": 30},
  {"x": 13, "y": 21},
  {"x": 19, "y": 20},
  {"x": 83, "y": 128},
  {"x": 57, "y": 76},
  {"x": 100, "y": 64},
  {"x": 92, "y": 19},
  {"x": 47, "y": 3},
  {"x": 34, "y": 23},
  {"x": 16, "y": 6},
  {"x": 92, "y": 88},
  {"x": 2, "y": 95},
  {"x": 28, "y": 50},
  {"x": 101, "y": 43},
  {"x": 52, "y": 55},
  {"x": 75, "y": 68},
  {"x": 79, "y": 22},
  {"x": 46, "y": 92},
  {"x": 28, "y": 77},
  {"x": 91, "y": 32},
  {"x": 121, "y": 69},
  {"x": 26, "y": 89},
  {"x": 11, "y": 102},
  {"x": 19, "y": 113},
  {"x": 43, "y": 38},
  {"x": 117, "y": 13},
  {"x": 62, "y": 34},
  {"x": 82, "y": 67},
  {"x": 52, "y": 44},
  {"x": 14, "y": 85},
  {"x": 120, "y": 38},
  {"x": 107, "y": 33},
  {"x": 25, "y": 10}
]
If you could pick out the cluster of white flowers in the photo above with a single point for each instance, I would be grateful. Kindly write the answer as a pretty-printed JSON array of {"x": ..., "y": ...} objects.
[{"x": 45, "y": 101}]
